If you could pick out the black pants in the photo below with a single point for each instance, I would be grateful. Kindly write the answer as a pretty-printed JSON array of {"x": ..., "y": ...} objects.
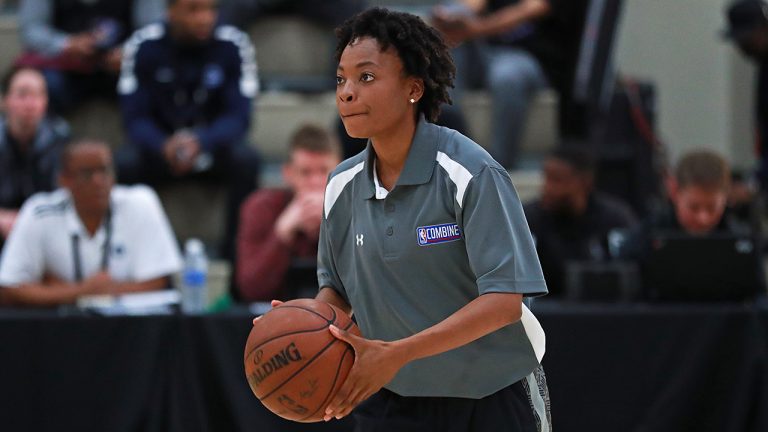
[{"x": 521, "y": 407}]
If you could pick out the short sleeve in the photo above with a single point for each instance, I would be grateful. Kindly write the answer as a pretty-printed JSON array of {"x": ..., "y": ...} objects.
[
  {"x": 22, "y": 260},
  {"x": 499, "y": 244},
  {"x": 327, "y": 276},
  {"x": 156, "y": 251}
]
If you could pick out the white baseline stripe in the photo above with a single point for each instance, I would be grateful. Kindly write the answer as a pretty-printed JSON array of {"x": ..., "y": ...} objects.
[
  {"x": 459, "y": 175},
  {"x": 337, "y": 184}
]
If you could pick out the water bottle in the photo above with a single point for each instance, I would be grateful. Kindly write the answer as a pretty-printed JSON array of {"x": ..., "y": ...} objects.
[{"x": 194, "y": 283}]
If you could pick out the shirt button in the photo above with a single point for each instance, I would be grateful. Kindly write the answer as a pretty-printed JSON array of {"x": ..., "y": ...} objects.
[
  {"x": 389, "y": 208},
  {"x": 390, "y": 231}
]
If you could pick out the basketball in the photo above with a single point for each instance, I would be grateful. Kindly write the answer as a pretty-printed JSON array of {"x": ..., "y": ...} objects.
[{"x": 293, "y": 363}]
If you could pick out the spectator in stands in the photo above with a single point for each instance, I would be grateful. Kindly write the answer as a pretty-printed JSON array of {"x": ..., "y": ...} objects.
[
  {"x": 571, "y": 221},
  {"x": 187, "y": 87},
  {"x": 279, "y": 228},
  {"x": 30, "y": 143},
  {"x": 329, "y": 12},
  {"x": 748, "y": 29},
  {"x": 698, "y": 196},
  {"x": 78, "y": 43},
  {"x": 515, "y": 48},
  {"x": 89, "y": 237}
]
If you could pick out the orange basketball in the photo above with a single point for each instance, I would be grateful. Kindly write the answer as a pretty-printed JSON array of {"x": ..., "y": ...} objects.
[{"x": 293, "y": 363}]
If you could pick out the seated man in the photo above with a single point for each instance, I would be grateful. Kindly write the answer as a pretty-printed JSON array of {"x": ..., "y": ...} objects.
[
  {"x": 30, "y": 143},
  {"x": 89, "y": 237},
  {"x": 514, "y": 48},
  {"x": 78, "y": 44},
  {"x": 698, "y": 195},
  {"x": 279, "y": 228},
  {"x": 571, "y": 222},
  {"x": 187, "y": 87}
]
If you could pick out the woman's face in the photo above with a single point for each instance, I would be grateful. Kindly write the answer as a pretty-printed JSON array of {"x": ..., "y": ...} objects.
[{"x": 372, "y": 91}]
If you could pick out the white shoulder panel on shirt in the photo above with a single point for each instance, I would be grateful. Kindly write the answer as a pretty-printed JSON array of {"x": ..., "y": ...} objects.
[
  {"x": 337, "y": 184},
  {"x": 459, "y": 175}
]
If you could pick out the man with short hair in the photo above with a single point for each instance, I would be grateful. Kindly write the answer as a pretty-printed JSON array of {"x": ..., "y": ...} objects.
[
  {"x": 89, "y": 237},
  {"x": 698, "y": 197},
  {"x": 571, "y": 221},
  {"x": 187, "y": 87},
  {"x": 699, "y": 192},
  {"x": 30, "y": 143},
  {"x": 279, "y": 228}
]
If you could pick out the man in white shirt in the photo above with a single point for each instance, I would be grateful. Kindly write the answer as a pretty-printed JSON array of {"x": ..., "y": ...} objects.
[{"x": 89, "y": 237}]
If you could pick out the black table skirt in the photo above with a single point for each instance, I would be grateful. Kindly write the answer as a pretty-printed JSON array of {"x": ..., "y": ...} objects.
[{"x": 609, "y": 368}]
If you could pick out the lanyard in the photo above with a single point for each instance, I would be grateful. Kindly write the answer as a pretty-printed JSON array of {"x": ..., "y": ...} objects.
[{"x": 104, "y": 248}]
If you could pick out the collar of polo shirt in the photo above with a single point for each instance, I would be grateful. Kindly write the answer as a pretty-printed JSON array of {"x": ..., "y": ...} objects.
[{"x": 419, "y": 165}]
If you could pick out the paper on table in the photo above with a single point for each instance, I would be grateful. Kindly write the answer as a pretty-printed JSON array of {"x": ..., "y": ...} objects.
[{"x": 131, "y": 303}]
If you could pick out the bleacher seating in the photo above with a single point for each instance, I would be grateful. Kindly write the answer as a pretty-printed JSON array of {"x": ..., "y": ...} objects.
[{"x": 295, "y": 59}]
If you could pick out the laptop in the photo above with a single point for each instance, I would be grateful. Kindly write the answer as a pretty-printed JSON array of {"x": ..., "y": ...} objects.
[{"x": 716, "y": 267}]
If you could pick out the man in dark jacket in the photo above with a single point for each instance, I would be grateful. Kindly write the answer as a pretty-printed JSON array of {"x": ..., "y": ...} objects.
[
  {"x": 570, "y": 221},
  {"x": 187, "y": 87}
]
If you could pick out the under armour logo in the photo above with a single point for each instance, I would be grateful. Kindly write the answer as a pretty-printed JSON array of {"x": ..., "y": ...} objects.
[{"x": 359, "y": 239}]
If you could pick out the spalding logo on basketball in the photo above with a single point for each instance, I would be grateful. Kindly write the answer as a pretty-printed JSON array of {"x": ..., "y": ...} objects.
[{"x": 293, "y": 363}]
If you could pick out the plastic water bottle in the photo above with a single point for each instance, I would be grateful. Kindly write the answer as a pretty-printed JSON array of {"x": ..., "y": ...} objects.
[{"x": 194, "y": 278}]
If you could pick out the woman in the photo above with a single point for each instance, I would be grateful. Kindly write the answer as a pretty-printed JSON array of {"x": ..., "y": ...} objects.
[{"x": 424, "y": 238}]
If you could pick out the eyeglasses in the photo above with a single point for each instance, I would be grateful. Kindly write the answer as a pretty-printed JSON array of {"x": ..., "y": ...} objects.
[{"x": 88, "y": 174}]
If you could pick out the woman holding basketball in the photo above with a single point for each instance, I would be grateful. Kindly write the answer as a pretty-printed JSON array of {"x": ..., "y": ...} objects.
[{"x": 423, "y": 238}]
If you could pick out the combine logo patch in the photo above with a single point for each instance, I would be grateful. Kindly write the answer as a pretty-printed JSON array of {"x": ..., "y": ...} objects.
[{"x": 433, "y": 234}]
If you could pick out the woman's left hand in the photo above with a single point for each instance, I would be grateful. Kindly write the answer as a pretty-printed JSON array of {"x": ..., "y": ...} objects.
[{"x": 376, "y": 363}]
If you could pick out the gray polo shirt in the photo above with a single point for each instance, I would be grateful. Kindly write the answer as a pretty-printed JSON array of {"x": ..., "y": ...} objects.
[{"x": 450, "y": 230}]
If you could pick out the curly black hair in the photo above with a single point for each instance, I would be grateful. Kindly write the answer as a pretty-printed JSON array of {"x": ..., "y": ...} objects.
[{"x": 421, "y": 49}]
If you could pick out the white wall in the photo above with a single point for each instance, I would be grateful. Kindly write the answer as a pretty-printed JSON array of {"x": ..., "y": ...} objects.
[{"x": 704, "y": 87}]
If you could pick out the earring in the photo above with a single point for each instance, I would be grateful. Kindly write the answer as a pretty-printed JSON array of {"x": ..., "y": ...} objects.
[{"x": 412, "y": 100}]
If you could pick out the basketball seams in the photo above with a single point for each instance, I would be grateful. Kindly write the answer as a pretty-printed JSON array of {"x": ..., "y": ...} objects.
[
  {"x": 325, "y": 326},
  {"x": 333, "y": 385},
  {"x": 333, "y": 312},
  {"x": 305, "y": 365},
  {"x": 281, "y": 335},
  {"x": 315, "y": 368}
]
